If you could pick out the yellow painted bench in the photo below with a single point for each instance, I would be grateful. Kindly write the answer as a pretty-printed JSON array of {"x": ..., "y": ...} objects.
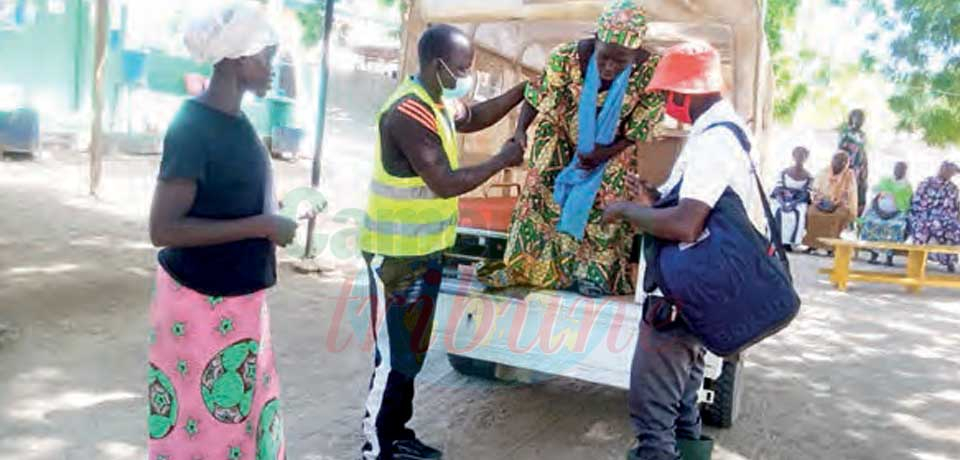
[{"x": 914, "y": 279}]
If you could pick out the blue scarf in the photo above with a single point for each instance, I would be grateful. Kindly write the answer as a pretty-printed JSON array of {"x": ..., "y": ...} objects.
[{"x": 576, "y": 189}]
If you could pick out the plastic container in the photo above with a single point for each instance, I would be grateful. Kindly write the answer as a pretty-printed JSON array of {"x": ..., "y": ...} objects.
[
  {"x": 280, "y": 112},
  {"x": 134, "y": 66}
]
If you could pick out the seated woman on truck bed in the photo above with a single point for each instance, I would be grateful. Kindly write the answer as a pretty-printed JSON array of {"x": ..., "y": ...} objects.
[{"x": 581, "y": 127}]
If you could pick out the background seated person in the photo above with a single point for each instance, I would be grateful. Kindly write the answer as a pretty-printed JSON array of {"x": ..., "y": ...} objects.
[
  {"x": 934, "y": 214},
  {"x": 887, "y": 217},
  {"x": 834, "y": 203},
  {"x": 791, "y": 199}
]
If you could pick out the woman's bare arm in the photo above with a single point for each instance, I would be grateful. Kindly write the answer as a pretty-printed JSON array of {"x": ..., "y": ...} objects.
[{"x": 170, "y": 226}]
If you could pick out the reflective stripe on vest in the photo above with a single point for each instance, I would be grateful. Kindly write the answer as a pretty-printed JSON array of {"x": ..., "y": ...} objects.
[
  {"x": 401, "y": 229},
  {"x": 402, "y": 193},
  {"x": 404, "y": 217}
]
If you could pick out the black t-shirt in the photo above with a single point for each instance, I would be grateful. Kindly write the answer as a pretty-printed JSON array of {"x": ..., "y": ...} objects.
[
  {"x": 223, "y": 154},
  {"x": 410, "y": 125}
]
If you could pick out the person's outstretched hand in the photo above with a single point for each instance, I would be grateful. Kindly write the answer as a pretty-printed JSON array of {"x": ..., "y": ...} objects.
[
  {"x": 615, "y": 211},
  {"x": 641, "y": 192}
]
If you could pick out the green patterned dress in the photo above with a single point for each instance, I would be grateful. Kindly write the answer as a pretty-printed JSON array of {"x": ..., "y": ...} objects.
[
  {"x": 854, "y": 142},
  {"x": 536, "y": 254}
]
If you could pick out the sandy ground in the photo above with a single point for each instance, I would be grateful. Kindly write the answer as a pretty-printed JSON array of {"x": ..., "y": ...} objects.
[{"x": 870, "y": 374}]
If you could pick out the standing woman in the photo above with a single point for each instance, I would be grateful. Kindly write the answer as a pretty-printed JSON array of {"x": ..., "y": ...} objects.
[
  {"x": 591, "y": 110},
  {"x": 853, "y": 141},
  {"x": 213, "y": 389}
]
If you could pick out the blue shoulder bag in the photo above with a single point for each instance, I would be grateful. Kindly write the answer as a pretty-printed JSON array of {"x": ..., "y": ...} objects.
[{"x": 733, "y": 288}]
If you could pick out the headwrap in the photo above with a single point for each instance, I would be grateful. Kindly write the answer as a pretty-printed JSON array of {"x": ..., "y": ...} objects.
[
  {"x": 623, "y": 23},
  {"x": 953, "y": 164},
  {"x": 839, "y": 188},
  {"x": 239, "y": 30}
]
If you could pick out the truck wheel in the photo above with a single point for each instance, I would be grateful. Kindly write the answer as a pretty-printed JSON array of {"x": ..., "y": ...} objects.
[
  {"x": 727, "y": 390},
  {"x": 473, "y": 367}
]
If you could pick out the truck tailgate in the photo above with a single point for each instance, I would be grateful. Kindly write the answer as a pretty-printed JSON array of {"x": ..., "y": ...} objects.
[{"x": 558, "y": 333}]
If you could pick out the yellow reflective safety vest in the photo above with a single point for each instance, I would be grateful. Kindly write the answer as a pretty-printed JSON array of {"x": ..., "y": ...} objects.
[{"x": 404, "y": 217}]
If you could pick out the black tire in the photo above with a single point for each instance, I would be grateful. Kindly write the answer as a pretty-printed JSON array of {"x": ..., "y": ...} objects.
[
  {"x": 473, "y": 367},
  {"x": 727, "y": 390}
]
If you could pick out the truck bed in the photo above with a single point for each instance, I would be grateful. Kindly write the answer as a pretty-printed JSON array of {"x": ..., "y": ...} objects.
[{"x": 559, "y": 333}]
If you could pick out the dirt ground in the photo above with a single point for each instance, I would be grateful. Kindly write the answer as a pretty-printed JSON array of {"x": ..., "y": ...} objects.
[{"x": 870, "y": 374}]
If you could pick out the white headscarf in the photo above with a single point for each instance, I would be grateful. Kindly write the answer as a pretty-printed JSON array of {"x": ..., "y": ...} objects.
[{"x": 240, "y": 29}]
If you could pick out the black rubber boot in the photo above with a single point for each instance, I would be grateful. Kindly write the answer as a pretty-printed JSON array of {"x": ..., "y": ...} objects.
[{"x": 695, "y": 450}]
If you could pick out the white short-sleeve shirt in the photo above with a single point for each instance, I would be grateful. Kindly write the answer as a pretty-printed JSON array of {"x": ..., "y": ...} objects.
[{"x": 711, "y": 161}]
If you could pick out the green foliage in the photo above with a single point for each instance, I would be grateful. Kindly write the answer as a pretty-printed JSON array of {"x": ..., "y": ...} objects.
[
  {"x": 823, "y": 75},
  {"x": 941, "y": 125},
  {"x": 924, "y": 65},
  {"x": 311, "y": 20},
  {"x": 781, "y": 15},
  {"x": 868, "y": 63},
  {"x": 927, "y": 70},
  {"x": 787, "y": 104}
]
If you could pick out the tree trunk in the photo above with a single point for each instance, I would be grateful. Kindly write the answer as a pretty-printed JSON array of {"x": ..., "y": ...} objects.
[{"x": 100, "y": 58}]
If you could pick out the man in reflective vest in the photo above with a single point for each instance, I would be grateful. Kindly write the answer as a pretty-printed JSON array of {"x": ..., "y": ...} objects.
[{"x": 412, "y": 218}]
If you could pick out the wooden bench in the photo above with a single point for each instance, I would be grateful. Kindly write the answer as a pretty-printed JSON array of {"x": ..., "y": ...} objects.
[{"x": 914, "y": 279}]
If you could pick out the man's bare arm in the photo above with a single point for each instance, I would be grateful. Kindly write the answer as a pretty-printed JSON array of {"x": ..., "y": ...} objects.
[
  {"x": 683, "y": 223},
  {"x": 431, "y": 164},
  {"x": 486, "y": 114}
]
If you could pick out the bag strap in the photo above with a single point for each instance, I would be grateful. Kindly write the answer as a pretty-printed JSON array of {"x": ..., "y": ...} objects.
[{"x": 775, "y": 237}]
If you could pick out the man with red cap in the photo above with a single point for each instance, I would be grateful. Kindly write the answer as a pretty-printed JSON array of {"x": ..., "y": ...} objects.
[{"x": 668, "y": 364}]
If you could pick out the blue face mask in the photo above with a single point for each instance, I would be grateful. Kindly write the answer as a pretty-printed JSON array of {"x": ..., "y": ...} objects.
[{"x": 461, "y": 90}]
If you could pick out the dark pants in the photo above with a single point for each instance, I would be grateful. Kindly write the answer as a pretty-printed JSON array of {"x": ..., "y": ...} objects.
[
  {"x": 406, "y": 289},
  {"x": 666, "y": 375}
]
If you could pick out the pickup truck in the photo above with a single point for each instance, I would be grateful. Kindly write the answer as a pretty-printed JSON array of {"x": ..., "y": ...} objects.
[{"x": 526, "y": 334}]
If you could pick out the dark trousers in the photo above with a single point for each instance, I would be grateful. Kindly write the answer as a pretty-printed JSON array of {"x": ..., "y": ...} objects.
[
  {"x": 666, "y": 375},
  {"x": 405, "y": 289}
]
